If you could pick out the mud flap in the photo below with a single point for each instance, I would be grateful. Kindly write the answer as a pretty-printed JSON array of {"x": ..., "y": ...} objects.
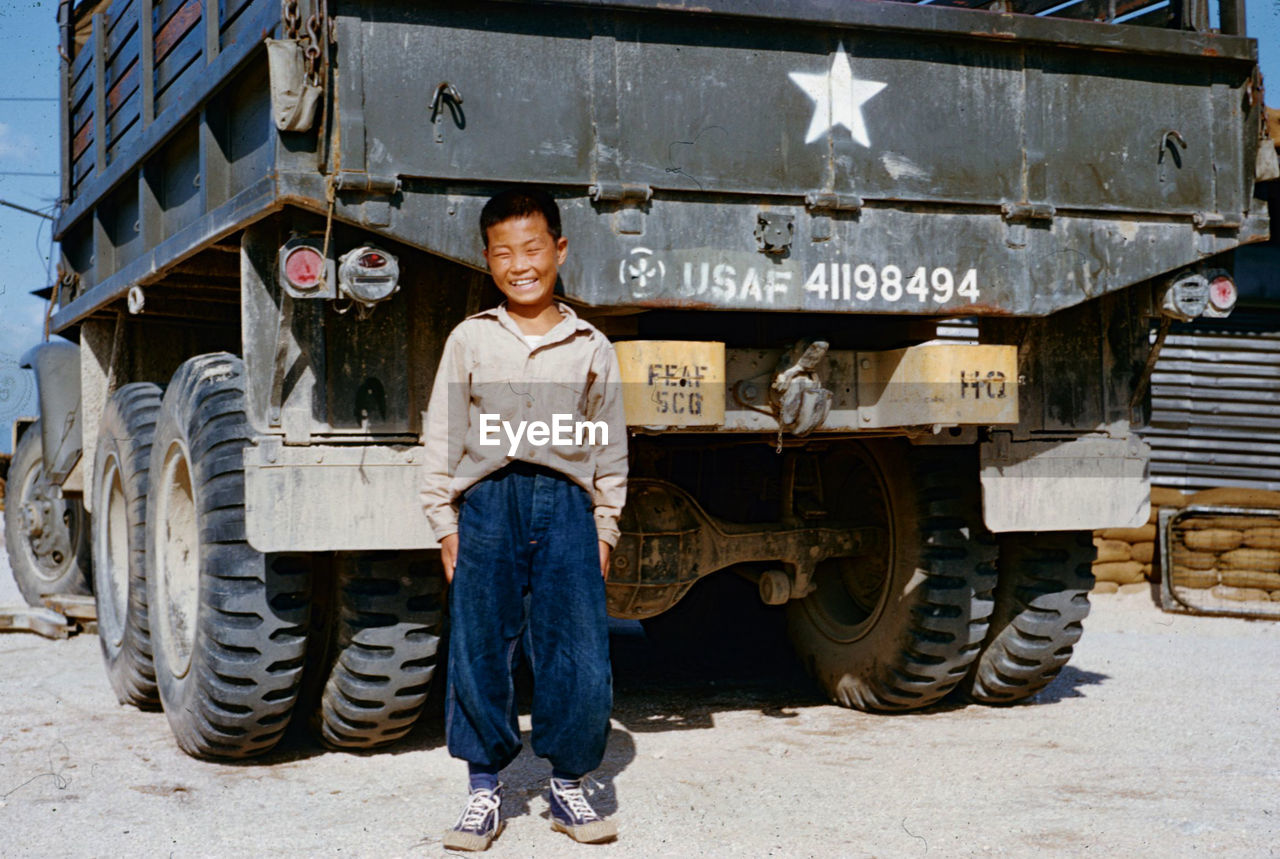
[
  {"x": 333, "y": 498},
  {"x": 1068, "y": 485}
]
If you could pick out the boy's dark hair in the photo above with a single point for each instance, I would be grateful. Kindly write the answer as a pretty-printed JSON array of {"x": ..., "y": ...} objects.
[{"x": 519, "y": 203}]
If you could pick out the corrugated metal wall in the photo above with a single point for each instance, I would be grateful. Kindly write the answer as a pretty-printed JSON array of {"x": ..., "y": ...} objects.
[{"x": 1216, "y": 404}]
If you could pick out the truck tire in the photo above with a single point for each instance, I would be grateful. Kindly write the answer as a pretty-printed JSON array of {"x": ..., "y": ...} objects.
[
  {"x": 120, "y": 482},
  {"x": 47, "y": 537},
  {"x": 228, "y": 623},
  {"x": 1041, "y": 601},
  {"x": 377, "y": 649},
  {"x": 898, "y": 630}
]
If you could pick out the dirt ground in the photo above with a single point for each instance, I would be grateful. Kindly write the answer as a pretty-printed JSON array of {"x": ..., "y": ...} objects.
[{"x": 1162, "y": 738}]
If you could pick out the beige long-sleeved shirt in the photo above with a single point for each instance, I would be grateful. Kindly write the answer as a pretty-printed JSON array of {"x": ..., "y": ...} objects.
[{"x": 494, "y": 387}]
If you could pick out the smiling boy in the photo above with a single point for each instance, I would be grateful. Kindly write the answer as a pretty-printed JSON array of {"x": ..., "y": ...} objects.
[{"x": 526, "y": 524}]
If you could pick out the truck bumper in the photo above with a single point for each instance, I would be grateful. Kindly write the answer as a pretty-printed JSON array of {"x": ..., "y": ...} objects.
[{"x": 679, "y": 386}]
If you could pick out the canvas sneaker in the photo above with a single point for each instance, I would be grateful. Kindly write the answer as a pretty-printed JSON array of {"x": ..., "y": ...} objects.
[
  {"x": 480, "y": 822},
  {"x": 573, "y": 815}
]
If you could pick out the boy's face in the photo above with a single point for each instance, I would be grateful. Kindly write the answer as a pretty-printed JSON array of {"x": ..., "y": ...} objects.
[{"x": 524, "y": 259}]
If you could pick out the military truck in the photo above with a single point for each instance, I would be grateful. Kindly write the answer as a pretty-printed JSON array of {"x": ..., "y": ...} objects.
[{"x": 886, "y": 281}]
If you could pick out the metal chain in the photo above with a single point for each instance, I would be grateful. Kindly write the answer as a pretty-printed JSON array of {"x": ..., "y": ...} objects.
[
  {"x": 311, "y": 42},
  {"x": 308, "y": 36},
  {"x": 292, "y": 19}
]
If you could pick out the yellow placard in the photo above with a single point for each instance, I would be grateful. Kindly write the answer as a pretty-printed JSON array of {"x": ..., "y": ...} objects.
[
  {"x": 669, "y": 383},
  {"x": 947, "y": 383}
]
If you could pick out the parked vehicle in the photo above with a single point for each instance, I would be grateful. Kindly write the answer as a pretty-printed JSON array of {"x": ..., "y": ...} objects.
[{"x": 882, "y": 278}]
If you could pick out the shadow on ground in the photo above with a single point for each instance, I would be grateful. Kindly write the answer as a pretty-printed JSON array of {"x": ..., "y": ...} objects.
[
  {"x": 1067, "y": 685},
  {"x": 677, "y": 684}
]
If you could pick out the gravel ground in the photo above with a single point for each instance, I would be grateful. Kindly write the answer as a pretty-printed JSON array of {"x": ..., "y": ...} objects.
[{"x": 1161, "y": 738}]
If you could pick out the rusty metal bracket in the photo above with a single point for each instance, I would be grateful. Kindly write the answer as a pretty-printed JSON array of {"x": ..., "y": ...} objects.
[
  {"x": 620, "y": 192},
  {"x": 375, "y": 212},
  {"x": 773, "y": 232},
  {"x": 822, "y": 205},
  {"x": 1023, "y": 212},
  {"x": 1017, "y": 215},
  {"x": 352, "y": 181},
  {"x": 284, "y": 325},
  {"x": 1215, "y": 221},
  {"x": 829, "y": 201},
  {"x": 629, "y": 199},
  {"x": 1140, "y": 387}
]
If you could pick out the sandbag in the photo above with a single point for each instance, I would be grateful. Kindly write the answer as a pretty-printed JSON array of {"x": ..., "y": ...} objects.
[
  {"x": 1251, "y": 579},
  {"x": 1149, "y": 573},
  {"x": 1266, "y": 560},
  {"x": 1140, "y": 588},
  {"x": 1130, "y": 535},
  {"x": 1142, "y": 552},
  {"x": 1263, "y": 537},
  {"x": 1186, "y": 578},
  {"x": 1111, "y": 550},
  {"x": 1213, "y": 540},
  {"x": 1223, "y": 592},
  {"x": 1230, "y": 496},
  {"x": 1232, "y": 523},
  {"x": 1194, "y": 560},
  {"x": 1167, "y": 496},
  {"x": 1120, "y": 572},
  {"x": 1105, "y": 588}
]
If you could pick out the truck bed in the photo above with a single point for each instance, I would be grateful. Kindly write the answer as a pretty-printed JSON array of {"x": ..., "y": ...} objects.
[{"x": 974, "y": 162}]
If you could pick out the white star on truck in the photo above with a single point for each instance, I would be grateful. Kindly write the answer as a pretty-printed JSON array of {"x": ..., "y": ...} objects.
[{"x": 838, "y": 98}]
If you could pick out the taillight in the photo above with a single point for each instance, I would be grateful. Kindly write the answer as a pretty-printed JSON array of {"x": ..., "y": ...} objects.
[
  {"x": 1186, "y": 297},
  {"x": 304, "y": 267},
  {"x": 1222, "y": 294},
  {"x": 368, "y": 275},
  {"x": 1210, "y": 293},
  {"x": 303, "y": 270}
]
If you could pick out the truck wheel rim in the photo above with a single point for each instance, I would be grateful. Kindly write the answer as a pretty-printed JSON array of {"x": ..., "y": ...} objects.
[
  {"x": 114, "y": 552},
  {"x": 851, "y": 593},
  {"x": 49, "y": 553},
  {"x": 177, "y": 561}
]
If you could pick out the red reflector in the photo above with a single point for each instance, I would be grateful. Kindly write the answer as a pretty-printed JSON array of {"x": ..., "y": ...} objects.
[
  {"x": 1222, "y": 293},
  {"x": 304, "y": 267},
  {"x": 373, "y": 260}
]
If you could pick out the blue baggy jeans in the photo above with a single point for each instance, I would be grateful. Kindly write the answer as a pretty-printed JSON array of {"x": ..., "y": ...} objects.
[{"x": 527, "y": 538}]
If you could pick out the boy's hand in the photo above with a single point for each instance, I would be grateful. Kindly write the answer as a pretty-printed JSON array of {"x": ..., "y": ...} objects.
[
  {"x": 605, "y": 549},
  {"x": 449, "y": 555}
]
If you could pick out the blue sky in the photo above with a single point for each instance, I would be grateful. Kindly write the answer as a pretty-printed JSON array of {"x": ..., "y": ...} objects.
[{"x": 29, "y": 145}]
